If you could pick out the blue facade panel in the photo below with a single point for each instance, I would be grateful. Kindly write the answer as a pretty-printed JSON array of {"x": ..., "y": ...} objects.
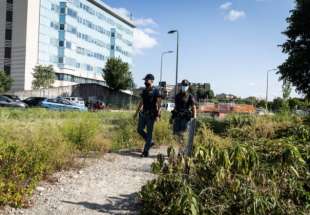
[{"x": 80, "y": 36}]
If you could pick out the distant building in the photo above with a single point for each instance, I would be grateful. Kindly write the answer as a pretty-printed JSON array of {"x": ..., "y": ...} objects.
[
  {"x": 75, "y": 36},
  {"x": 225, "y": 96}
]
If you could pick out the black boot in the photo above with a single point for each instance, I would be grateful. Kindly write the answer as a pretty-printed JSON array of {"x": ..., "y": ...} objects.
[{"x": 145, "y": 154}]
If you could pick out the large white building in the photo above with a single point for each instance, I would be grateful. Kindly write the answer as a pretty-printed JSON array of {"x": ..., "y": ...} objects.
[{"x": 75, "y": 36}]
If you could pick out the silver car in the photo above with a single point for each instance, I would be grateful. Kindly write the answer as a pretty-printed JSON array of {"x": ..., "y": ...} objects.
[{"x": 7, "y": 102}]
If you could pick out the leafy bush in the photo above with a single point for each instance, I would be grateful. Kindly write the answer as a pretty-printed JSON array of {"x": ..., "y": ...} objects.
[{"x": 256, "y": 173}]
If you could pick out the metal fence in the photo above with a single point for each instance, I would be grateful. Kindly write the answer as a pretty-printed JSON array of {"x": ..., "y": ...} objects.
[{"x": 88, "y": 92}]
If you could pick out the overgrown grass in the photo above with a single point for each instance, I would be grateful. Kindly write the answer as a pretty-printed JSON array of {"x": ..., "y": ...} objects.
[
  {"x": 242, "y": 165},
  {"x": 36, "y": 143}
]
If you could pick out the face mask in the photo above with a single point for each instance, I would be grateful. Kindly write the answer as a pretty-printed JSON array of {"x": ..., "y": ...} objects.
[
  {"x": 147, "y": 84},
  {"x": 184, "y": 89}
]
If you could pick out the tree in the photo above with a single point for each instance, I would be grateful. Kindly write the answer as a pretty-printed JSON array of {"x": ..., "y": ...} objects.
[
  {"x": 286, "y": 90},
  {"x": 5, "y": 82},
  {"x": 44, "y": 77},
  {"x": 296, "y": 69},
  {"x": 261, "y": 104},
  {"x": 117, "y": 74},
  {"x": 202, "y": 91},
  {"x": 277, "y": 104},
  {"x": 210, "y": 94}
]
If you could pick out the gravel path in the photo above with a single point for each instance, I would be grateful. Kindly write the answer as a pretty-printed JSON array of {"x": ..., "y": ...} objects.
[{"x": 107, "y": 186}]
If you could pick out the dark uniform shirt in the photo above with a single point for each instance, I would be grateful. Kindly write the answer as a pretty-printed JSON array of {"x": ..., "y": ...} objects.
[
  {"x": 149, "y": 98},
  {"x": 184, "y": 103},
  {"x": 183, "y": 112}
]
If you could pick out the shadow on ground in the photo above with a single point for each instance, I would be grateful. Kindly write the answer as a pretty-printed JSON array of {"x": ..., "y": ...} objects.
[{"x": 123, "y": 204}]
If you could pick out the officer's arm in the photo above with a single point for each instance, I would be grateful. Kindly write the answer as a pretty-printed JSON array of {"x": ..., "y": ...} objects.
[
  {"x": 158, "y": 106},
  {"x": 194, "y": 110},
  {"x": 140, "y": 106}
]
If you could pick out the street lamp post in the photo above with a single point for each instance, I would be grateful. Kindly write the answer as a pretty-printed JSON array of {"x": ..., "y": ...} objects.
[
  {"x": 267, "y": 87},
  {"x": 177, "y": 60},
  {"x": 161, "y": 63}
]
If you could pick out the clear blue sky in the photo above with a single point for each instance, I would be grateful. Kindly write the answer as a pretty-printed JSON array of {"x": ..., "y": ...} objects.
[{"x": 229, "y": 44}]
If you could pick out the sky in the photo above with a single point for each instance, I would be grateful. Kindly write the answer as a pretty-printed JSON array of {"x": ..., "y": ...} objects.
[{"x": 229, "y": 44}]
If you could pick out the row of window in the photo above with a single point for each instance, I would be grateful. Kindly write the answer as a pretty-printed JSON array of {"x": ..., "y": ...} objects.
[
  {"x": 80, "y": 35},
  {"x": 120, "y": 50},
  {"x": 76, "y": 79},
  {"x": 91, "y": 11},
  {"x": 72, "y": 63},
  {"x": 83, "y": 51},
  {"x": 8, "y": 37},
  {"x": 105, "y": 18},
  {"x": 93, "y": 40},
  {"x": 65, "y": 44},
  {"x": 92, "y": 26}
]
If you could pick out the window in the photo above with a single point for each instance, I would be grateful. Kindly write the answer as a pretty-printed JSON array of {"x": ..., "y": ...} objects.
[
  {"x": 72, "y": 13},
  {"x": 7, "y": 52},
  {"x": 89, "y": 67},
  {"x": 9, "y": 1},
  {"x": 61, "y": 43},
  {"x": 62, "y": 10},
  {"x": 55, "y": 25},
  {"x": 62, "y": 27},
  {"x": 7, "y": 69},
  {"x": 8, "y": 34},
  {"x": 68, "y": 45},
  {"x": 55, "y": 8},
  {"x": 71, "y": 29},
  {"x": 59, "y": 77},
  {"x": 60, "y": 60},
  {"x": 9, "y": 16}
]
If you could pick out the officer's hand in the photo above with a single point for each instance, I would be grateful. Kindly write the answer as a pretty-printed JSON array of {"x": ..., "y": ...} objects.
[{"x": 157, "y": 119}]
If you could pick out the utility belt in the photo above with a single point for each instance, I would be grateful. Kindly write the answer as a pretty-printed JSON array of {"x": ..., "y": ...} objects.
[
  {"x": 186, "y": 114},
  {"x": 149, "y": 113}
]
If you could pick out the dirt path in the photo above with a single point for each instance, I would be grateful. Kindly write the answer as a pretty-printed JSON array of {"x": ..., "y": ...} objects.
[{"x": 107, "y": 186}]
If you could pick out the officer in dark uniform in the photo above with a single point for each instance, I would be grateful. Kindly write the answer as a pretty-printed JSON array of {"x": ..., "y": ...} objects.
[
  {"x": 185, "y": 110},
  {"x": 149, "y": 112}
]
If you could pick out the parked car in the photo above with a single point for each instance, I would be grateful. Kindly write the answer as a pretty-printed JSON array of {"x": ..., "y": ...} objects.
[
  {"x": 302, "y": 112},
  {"x": 61, "y": 104},
  {"x": 261, "y": 111},
  {"x": 13, "y": 97},
  {"x": 34, "y": 101},
  {"x": 7, "y": 102},
  {"x": 97, "y": 106},
  {"x": 168, "y": 106},
  {"x": 75, "y": 100}
]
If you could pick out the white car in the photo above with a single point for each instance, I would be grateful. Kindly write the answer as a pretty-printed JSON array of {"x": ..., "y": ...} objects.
[
  {"x": 75, "y": 100},
  {"x": 168, "y": 106}
]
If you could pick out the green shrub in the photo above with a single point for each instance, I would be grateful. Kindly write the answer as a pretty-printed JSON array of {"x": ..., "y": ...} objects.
[
  {"x": 80, "y": 131},
  {"x": 249, "y": 169}
]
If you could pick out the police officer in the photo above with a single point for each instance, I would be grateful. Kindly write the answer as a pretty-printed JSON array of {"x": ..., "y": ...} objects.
[
  {"x": 185, "y": 110},
  {"x": 149, "y": 112}
]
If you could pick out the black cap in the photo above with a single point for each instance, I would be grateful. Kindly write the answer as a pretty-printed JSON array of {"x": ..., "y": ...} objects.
[
  {"x": 149, "y": 77},
  {"x": 185, "y": 83}
]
